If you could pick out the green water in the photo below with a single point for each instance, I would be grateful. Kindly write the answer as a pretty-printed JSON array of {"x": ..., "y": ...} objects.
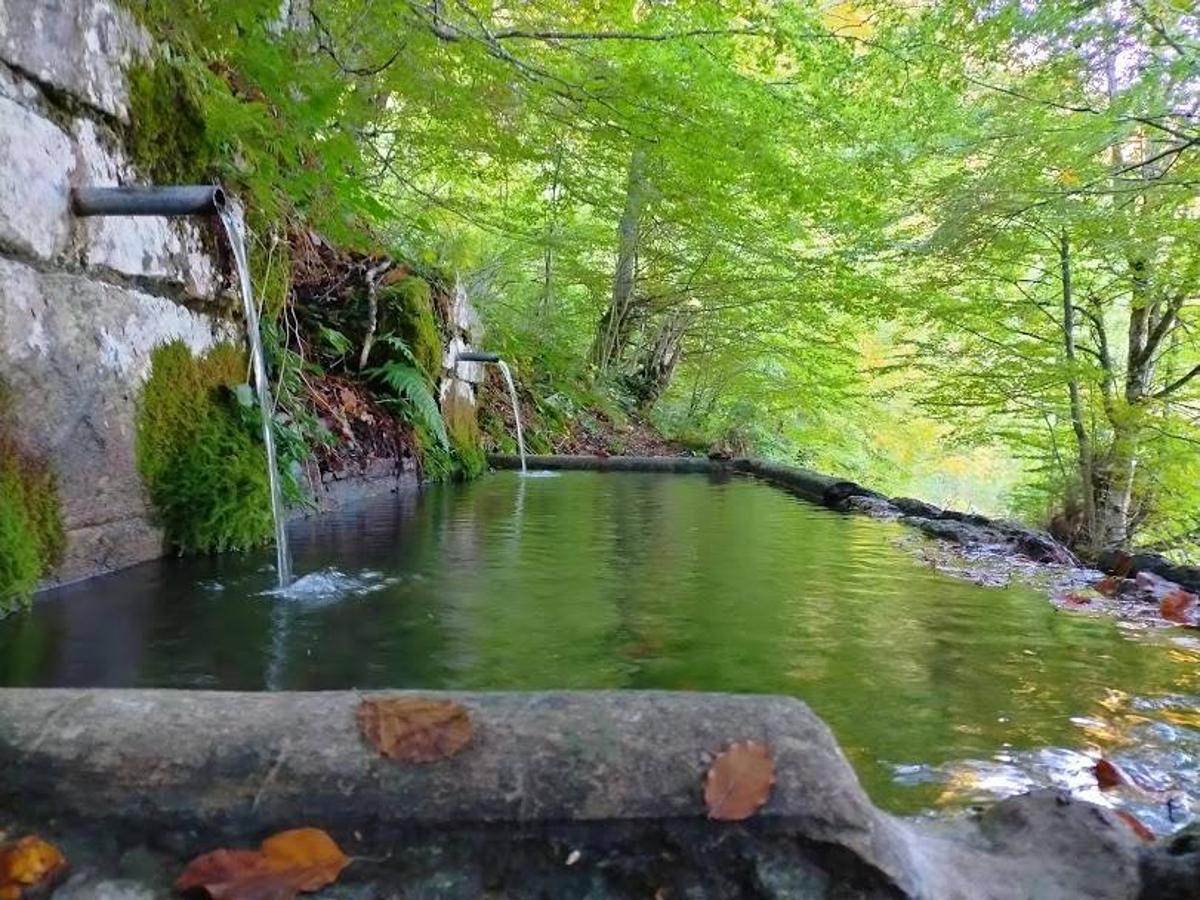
[{"x": 941, "y": 692}]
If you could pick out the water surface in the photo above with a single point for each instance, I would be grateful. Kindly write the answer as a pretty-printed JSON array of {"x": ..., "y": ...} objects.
[{"x": 941, "y": 692}]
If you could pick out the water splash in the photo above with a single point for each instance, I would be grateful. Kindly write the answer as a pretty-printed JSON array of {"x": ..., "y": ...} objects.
[
  {"x": 237, "y": 241},
  {"x": 512, "y": 393},
  {"x": 328, "y": 586}
]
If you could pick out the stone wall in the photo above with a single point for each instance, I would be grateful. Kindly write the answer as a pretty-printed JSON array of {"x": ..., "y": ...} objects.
[{"x": 83, "y": 301}]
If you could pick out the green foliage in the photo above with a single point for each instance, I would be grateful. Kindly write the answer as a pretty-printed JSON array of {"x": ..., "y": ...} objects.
[
  {"x": 412, "y": 394},
  {"x": 199, "y": 457},
  {"x": 811, "y": 175},
  {"x": 32, "y": 539}
]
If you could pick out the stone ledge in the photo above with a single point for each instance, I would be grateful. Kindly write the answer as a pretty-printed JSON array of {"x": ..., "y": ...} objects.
[{"x": 616, "y": 773}]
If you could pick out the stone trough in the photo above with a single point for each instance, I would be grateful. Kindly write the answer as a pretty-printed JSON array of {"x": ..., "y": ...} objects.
[{"x": 560, "y": 794}]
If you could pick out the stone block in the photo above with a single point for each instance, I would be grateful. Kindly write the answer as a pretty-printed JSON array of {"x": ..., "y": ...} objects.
[
  {"x": 153, "y": 247},
  {"x": 36, "y": 159},
  {"x": 81, "y": 47},
  {"x": 74, "y": 352}
]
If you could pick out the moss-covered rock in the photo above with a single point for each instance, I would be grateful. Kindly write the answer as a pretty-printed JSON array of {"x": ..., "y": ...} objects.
[
  {"x": 198, "y": 454},
  {"x": 31, "y": 530},
  {"x": 167, "y": 134},
  {"x": 406, "y": 311},
  {"x": 466, "y": 440}
]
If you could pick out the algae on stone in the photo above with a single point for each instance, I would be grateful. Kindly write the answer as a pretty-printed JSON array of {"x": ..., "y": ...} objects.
[{"x": 31, "y": 529}]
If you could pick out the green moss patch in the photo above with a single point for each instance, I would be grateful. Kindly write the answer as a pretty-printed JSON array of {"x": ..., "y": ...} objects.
[
  {"x": 31, "y": 530},
  {"x": 198, "y": 454},
  {"x": 466, "y": 440},
  {"x": 167, "y": 135},
  {"x": 406, "y": 310}
]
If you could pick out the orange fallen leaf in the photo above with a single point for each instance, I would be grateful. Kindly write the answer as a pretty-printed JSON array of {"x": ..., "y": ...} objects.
[
  {"x": 414, "y": 729},
  {"x": 1177, "y": 606},
  {"x": 1076, "y": 598},
  {"x": 1136, "y": 824},
  {"x": 739, "y": 781},
  {"x": 1122, "y": 565},
  {"x": 1109, "y": 586},
  {"x": 288, "y": 863},
  {"x": 1108, "y": 775},
  {"x": 28, "y": 863}
]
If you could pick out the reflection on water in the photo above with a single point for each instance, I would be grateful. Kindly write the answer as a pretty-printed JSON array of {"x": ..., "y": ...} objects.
[{"x": 941, "y": 692}]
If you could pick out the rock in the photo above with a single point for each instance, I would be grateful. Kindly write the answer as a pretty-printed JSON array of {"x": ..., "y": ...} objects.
[
  {"x": 1041, "y": 548},
  {"x": 1185, "y": 576},
  {"x": 917, "y": 508},
  {"x": 837, "y": 495},
  {"x": 1064, "y": 847},
  {"x": 74, "y": 352},
  {"x": 35, "y": 161},
  {"x": 81, "y": 47},
  {"x": 82, "y": 887},
  {"x": 1171, "y": 868},
  {"x": 879, "y": 507},
  {"x": 956, "y": 531}
]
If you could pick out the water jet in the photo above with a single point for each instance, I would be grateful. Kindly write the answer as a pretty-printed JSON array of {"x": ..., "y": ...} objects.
[{"x": 481, "y": 356}]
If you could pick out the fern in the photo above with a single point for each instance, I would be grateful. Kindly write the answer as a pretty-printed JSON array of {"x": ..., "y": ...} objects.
[{"x": 410, "y": 385}]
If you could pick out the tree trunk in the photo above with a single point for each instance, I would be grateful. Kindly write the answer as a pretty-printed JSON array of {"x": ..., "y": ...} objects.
[
  {"x": 1078, "y": 422},
  {"x": 657, "y": 364},
  {"x": 613, "y": 331}
]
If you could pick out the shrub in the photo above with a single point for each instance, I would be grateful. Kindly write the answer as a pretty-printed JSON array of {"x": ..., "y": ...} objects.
[{"x": 200, "y": 459}]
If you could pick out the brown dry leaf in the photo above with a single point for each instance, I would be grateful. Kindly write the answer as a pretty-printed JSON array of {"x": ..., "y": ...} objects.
[
  {"x": 1109, "y": 586},
  {"x": 1108, "y": 775},
  {"x": 1136, "y": 824},
  {"x": 288, "y": 863},
  {"x": 28, "y": 863},
  {"x": 1177, "y": 606},
  {"x": 739, "y": 781},
  {"x": 414, "y": 729}
]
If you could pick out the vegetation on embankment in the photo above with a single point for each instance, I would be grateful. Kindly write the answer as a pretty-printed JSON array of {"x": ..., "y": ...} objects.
[
  {"x": 876, "y": 248},
  {"x": 31, "y": 528}
]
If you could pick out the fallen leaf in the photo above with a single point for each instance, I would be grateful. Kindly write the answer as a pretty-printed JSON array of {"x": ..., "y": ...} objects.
[
  {"x": 414, "y": 729},
  {"x": 286, "y": 864},
  {"x": 1076, "y": 598},
  {"x": 28, "y": 863},
  {"x": 1109, "y": 586},
  {"x": 1108, "y": 775},
  {"x": 1136, "y": 824},
  {"x": 739, "y": 781},
  {"x": 1177, "y": 606},
  {"x": 1122, "y": 565}
]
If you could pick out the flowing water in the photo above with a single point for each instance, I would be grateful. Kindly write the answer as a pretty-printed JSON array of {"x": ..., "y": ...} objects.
[
  {"x": 237, "y": 241},
  {"x": 512, "y": 393},
  {"x": 943, "y": 693}
]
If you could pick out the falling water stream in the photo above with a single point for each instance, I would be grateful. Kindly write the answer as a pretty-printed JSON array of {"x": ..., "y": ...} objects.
[
  {"x": 512, "y": 393},
  {"x": 237, "y": 240}
]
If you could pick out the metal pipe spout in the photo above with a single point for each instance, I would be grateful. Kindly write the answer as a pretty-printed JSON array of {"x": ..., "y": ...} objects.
[
  {"x": 477, "y": 356},
  {"x": 168, "y": 200}
]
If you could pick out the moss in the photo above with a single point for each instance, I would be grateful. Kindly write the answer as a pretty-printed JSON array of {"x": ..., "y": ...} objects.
[
  {"x": 167, "y": 137},
  {"x": 466, "y": 440},
  {"x": 198, "y": 453},
  {"x": 406, "y": 310},
  {"x": 31, "y": 530}
]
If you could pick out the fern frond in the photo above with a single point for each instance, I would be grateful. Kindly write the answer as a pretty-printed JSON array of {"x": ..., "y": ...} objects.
[{"x": 410, "y": 384}]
